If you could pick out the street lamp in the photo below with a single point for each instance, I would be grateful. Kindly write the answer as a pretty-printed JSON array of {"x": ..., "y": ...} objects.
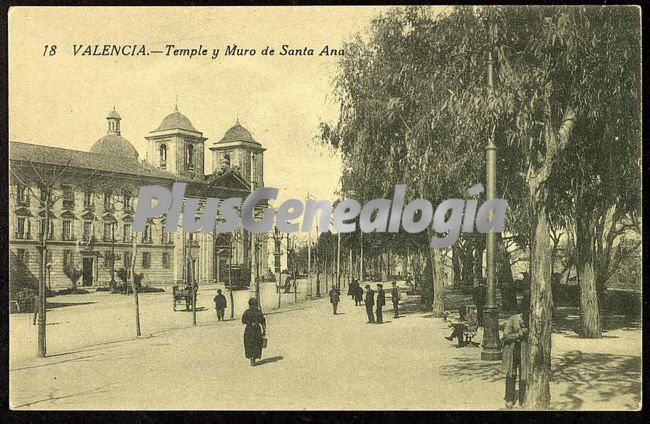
[
  {"x": 491, "y": 344},
  {"x": 277, "y": 238}
]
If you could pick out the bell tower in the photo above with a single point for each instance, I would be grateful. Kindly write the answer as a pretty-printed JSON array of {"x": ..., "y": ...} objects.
[{"x": 177, "y": 147}]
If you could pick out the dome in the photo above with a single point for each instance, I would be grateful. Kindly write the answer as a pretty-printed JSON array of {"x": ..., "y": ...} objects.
[
  {"x": 176, "y": 121},
  {"x": 237, "y": 133},
  {"x": 115, "y": 145},
  {"x": 113, "y": 115}
]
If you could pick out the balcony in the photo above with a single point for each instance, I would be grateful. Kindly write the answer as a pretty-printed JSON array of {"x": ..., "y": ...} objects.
[
  {"x": 90, "y": 207},
  {"x": 147, "y": 241},
  {"x": 68, "y": 205},
  {"x": 68, "y": 238},
  {"x": 22, "y": 201},
  {"x": 22, "y": 236}
]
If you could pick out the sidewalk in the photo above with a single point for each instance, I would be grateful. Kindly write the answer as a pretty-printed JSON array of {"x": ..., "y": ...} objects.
[{"x": 317, "y": 361}]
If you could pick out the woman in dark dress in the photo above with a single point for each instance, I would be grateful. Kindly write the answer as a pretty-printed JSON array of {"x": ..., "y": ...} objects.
[{"x": 254, "y": 332}]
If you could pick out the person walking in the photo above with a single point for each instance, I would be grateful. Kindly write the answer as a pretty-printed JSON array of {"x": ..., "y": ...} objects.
[
  {"x": 395, "y": 297},
  {"x": 220, "y": 305},
  {"x": 515, "y": 354},
  {"x": 254, "y": 332},
  {"x": 335, "y": 298},
  {"x": 370, "y": 302},
  {"x": 358, "y": 295},
  {"x": 381, "y": 301}
]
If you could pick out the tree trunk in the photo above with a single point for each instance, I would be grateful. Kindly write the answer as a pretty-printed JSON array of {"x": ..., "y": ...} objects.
[
  {"x": 135, "y": 289},
  {"x": 455, "y": 264},
  {"x": 538, "y": 392},
  {"x": 590, "y": 324},
  {"x": 438, "y": 285}
]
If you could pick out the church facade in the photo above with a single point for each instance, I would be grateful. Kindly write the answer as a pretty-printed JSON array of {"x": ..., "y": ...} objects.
[{"x": 88, "y": 201}]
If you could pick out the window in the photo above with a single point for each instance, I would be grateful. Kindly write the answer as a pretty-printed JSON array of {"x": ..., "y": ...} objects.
[
  {"x": 68, "y": 230},
  {"x": 163, "y": 155},
  {"x": 87, "y": 231},
  {"x": 41, "y": 229},
  {"x": 166, "y": 260},
  {"x": 23, "y": 228},
  {"x": 108, "y": 200},
  {"x": 22, "y": 195},
  {"x": 68, "y": 257},
  {"x": 167, "y": 238},
  {"x": 89, "y": 200},
  {"x": 127, "y": 261},
  {"x": 190, "y": 157},
  {"x": 126, "y": 232},
  {"x": 43, "y": 196},
  {"x": 68, "y": 197},
  {"x": 108, "y": 231},
  {"x": 146, "y": 235},
  {"x": 127, "y": 201},
  {"x": 146, "y": 260}
]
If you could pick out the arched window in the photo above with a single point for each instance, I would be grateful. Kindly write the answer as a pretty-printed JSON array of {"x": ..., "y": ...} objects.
[
  {"x": 190, "y": 157},
  {"x": 163, "y": 155}
]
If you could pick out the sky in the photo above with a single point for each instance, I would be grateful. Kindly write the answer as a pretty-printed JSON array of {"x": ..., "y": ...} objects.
[{"x": 63, "y": 100}]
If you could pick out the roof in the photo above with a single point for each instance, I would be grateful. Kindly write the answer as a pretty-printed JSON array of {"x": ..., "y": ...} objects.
[
  {"x": 57, "y": 156},
  {"x": 113, "y": 115},
  {"x": 176, "y": 121},
  {"x": 115, "y": 145},
  {"x": 237, "y": 133}
]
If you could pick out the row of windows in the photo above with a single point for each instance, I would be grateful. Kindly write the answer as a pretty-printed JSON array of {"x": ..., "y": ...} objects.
[
  {"x": 109, "y": 233},
  {"x": 69, "y": 258},
  {"x": 189, "y": 156},
  {"x": 68, "y": 198}
]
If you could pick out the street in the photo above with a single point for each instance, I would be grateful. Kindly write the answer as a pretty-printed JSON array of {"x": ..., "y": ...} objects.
[{"x": 314, "y": 360}]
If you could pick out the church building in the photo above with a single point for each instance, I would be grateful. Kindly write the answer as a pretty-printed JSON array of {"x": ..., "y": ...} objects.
[{"x": 90, "y": 198}]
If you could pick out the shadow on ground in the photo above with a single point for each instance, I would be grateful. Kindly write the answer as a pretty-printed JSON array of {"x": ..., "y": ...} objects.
[
  {"x": 599, "y": 377},
  {"x": 269, "y": 360}
]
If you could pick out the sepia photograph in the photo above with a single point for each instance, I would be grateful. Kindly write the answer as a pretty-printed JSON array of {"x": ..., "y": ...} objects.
[{"x": 309, "y": 208}]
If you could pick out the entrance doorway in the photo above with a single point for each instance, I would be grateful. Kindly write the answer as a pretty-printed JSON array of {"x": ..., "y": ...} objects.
[{"x": 87, "y": 272}]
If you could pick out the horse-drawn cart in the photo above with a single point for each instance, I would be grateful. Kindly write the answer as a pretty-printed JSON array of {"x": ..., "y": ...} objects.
[{"x": 183, "y": 294}]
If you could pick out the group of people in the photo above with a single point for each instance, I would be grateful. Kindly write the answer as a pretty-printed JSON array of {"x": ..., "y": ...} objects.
[{"x": 357, "y": 294}]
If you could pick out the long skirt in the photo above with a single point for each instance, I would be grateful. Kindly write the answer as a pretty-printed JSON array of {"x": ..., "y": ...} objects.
[{"x": 253, "y": 341}]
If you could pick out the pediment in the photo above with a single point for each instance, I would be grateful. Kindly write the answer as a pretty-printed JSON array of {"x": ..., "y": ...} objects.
[{"x": 68, "y": 215}]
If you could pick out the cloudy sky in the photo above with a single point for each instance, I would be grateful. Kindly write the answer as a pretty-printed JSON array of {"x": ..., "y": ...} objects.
[{"x": 63, "y": 100}]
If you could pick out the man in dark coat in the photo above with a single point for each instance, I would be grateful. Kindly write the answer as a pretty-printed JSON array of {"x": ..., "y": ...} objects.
[
  {"x": 381, "y": 301},
  {"x": 335, "y": 298},
  {"x": 358, "y": 295},
  {"x": 220, "y": 304},
  {"x": 370, "y": 302},
  {"x": 479, "y": 296},
  {"x": 394, "y": 293}
]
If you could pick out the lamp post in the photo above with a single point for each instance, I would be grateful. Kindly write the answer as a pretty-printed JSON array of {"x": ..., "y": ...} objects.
[
  {"x": 491, "y": 344},
  {"x": 277, "y": 238}
]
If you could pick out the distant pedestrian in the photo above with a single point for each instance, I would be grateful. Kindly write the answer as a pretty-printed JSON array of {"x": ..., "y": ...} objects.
[
  {"x": 335, "y": 298},
  {"x": 220, "y": 305},
  {"x": 395, "y": 297},
  {"x": 358, "y": 295},
  {"x": 287, "y": 284},
  {"x": 370, "y": 302},
  {"x": 352, "y": 288},
  {"x": 254, "y": 332},
  {"x": 381, "y": 301}
]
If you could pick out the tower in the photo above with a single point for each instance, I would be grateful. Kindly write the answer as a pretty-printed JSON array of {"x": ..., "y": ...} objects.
[
  {"x": 177, "y": 147},
  {"x": 238, "y": 149}
]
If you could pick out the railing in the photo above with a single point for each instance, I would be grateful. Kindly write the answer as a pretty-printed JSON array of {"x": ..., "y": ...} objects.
[
  {"x": 89, "y": 207},
  {"x": 68, "y": 205},
  {"x": 68, "y": 238},
  {"x": 22, "y": 236},
  {"x": 22, "y": 201}
]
